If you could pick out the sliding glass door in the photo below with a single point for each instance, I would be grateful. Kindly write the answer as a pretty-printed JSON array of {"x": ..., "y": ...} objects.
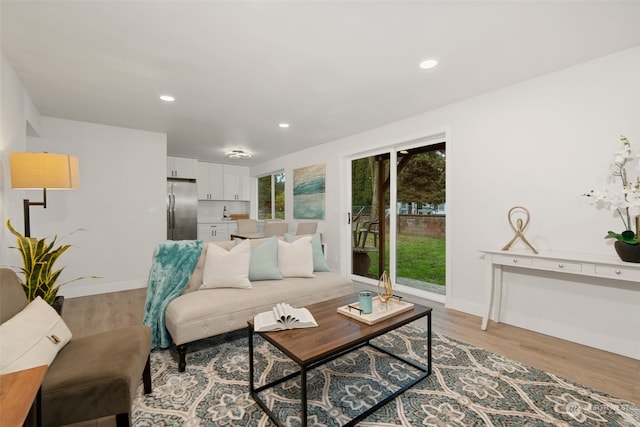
[
  {"x": 369, "y": 204},
  {"x": 420, "y": 218},
  {"x": 398, "y": 216}
]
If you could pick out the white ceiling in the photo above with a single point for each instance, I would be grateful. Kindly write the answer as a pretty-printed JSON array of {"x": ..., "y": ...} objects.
[{"x": 329, "y": 68}]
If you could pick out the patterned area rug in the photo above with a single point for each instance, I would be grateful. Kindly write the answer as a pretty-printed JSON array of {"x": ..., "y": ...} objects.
[{"x": 469, "y": 386}]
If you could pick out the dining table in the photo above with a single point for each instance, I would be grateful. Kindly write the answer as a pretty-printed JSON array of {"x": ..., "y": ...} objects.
[{"x": 244, "y": 236}]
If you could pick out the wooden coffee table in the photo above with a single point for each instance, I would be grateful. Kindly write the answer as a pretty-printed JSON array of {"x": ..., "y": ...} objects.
[{"x": 335, "y": 336}]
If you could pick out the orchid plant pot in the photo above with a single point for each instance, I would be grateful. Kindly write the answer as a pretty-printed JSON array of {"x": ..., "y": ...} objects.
[
  {"x": 627, "y": 252},
  {"x": 625, "y": 201}
]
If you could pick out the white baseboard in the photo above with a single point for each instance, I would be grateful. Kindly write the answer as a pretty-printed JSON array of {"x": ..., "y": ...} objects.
[
  {"x": 584, "y": 336},
  {"x": 75, "y": 290},
  {"x": 466, "y": 307},
  {"x": 625, "y": 346}
]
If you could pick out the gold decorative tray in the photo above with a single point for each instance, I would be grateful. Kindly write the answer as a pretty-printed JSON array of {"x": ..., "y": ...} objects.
[{"x": 380, "y": 310}]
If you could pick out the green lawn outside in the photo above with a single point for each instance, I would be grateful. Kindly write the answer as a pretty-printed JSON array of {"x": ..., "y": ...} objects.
[{"x": 419, "y": 257}]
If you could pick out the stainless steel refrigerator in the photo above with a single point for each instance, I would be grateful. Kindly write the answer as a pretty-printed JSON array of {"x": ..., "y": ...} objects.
[{"x": 182, "y": 209}]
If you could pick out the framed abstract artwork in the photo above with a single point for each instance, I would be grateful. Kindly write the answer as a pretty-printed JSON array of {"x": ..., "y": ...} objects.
[{"x": 308, "y": 192}]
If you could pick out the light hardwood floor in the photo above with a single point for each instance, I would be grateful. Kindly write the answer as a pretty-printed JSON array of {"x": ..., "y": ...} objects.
[{"x": 604, "y": 371}]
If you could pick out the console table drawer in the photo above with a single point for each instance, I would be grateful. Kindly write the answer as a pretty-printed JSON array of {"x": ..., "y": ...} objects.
[
  {"x": 512, "y": 260},
  {"x": 615, "y": 272},
  {"x": 601, "y": 267},
  {"x": 557, "y": 265}
]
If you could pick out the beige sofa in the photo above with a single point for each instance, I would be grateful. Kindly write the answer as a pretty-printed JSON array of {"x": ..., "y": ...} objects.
[{"x": 202, "y": 313}]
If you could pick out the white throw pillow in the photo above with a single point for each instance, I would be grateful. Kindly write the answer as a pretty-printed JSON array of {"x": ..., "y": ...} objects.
[
  {"x": 295, "y": 259},
  {"x": 319, "y": 263},
  {"x": 227, "y": 268},
  {"x": 32, "y": 337}
]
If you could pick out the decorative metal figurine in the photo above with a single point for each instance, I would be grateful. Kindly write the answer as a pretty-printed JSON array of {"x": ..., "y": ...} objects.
[
  {"x": 387, "y": 289},
  {"x": 519, "y": 226}
]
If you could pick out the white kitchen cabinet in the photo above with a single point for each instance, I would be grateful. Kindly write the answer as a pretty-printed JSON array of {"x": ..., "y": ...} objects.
[
  {"x": 179, "y": 167},
  {"x": 223, "y": 182},
  {"x": 237, "y": 183},
  {"x": 210, "y": 181},
  {"x": 216, "y": 231}
]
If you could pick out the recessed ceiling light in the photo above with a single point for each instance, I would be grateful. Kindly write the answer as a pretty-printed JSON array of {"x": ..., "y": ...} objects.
[
  {"x": 167, "y": 98},
  {"x": 283, "y": 125},
  {"x": 428, "y": 64}
]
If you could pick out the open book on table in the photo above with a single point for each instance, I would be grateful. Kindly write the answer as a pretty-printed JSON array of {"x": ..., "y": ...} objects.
[{"x": 283, "y": 316}]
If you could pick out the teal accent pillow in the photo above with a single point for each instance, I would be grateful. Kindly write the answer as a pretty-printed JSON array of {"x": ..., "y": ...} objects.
[
  {"x": 319, "y": 263},
  {"x": 264, "y": 261}
]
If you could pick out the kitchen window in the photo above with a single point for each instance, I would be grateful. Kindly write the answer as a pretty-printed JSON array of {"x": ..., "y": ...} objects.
[{"x": 271, "y": 196}]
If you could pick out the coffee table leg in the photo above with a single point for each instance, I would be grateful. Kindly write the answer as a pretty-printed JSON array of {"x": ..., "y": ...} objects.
[
  {"x": 429, "y": 343},
  {"x": 251, "y": 385},
  {"x": 303, "y": 385}
]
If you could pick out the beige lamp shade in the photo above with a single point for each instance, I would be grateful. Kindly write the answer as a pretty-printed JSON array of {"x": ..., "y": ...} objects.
[{"x": 44, "y": 170}]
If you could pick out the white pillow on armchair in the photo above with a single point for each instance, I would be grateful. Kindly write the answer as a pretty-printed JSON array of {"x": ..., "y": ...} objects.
[{"x": 32, "y": 337}]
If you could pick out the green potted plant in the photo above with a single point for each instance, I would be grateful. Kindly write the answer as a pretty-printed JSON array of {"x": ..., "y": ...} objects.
[
  {"x": 40, "y": 276},
  {"x": 625, "y": 201}
]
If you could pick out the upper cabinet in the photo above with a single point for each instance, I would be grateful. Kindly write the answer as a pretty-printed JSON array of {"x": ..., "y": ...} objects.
[
  {"x": 210, "y": 181},
  {"x": 237, "y": 183},
  {"x": 223, "y": 182},
  {"x": 178, "y": 167}
]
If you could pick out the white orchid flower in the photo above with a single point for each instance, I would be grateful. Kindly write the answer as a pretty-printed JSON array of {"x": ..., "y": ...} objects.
[{"x": 626, "y": 198}]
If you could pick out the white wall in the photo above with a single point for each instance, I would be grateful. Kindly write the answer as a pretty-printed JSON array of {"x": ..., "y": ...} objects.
[
  {"x": 118, "y": 167},
  {"x": 120, "y": 205},
  {"x": 16, "y": 109},
  {"x": 335, "y": 211},
  {"x": 540, "y": 144}
]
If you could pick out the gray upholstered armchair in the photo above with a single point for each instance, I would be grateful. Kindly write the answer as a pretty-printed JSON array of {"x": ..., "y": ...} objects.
[{"x": 91, "y": 377}]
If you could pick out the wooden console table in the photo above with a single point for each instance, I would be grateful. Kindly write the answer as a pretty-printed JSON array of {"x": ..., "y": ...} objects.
[
  {"x": 577, "y": 264},
  {"x": 18, "y": 390}
]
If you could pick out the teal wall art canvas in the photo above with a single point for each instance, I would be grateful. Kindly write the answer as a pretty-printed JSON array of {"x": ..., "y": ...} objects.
[{"x": 308, "y": 192}]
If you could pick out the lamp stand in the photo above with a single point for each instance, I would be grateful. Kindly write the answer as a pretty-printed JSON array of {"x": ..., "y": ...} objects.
[{"x": 26, "y": 205}]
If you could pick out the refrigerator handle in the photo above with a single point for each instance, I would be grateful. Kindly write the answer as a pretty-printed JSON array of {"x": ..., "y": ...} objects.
[
  {"x": 170, "y": 211},
  {"x": 173, "y": 211},
  {"x": 169, "y": 194}
]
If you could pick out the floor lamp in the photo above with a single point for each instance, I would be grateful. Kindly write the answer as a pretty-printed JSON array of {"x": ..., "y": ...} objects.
[{"x": 44, "y": 171}]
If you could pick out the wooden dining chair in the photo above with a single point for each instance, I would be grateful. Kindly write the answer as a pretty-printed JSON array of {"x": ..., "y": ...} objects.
[
  {"x": 275, "y": 228},
  {"x": 246, "y": 226},
  {"x": 307, "y": 227}
]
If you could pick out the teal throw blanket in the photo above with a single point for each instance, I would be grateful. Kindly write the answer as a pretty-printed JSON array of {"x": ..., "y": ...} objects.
[{"x": 173, "y": 264}]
